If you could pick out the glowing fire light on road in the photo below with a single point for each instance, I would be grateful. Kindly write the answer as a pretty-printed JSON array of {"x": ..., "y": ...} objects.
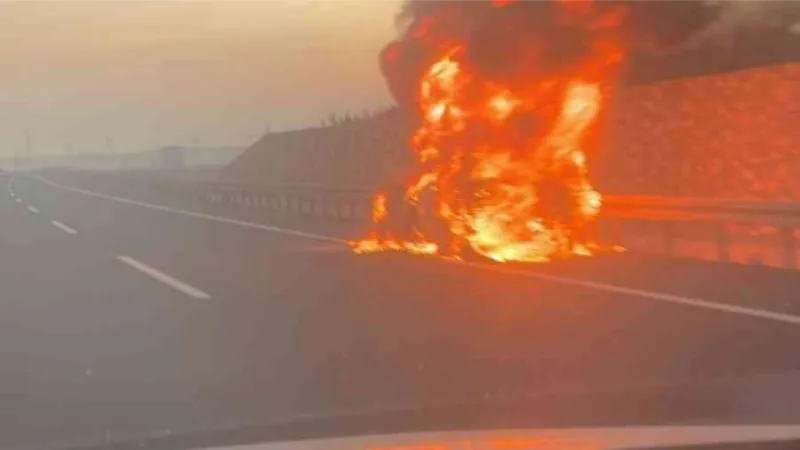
[{"x": 503, "y": 161}]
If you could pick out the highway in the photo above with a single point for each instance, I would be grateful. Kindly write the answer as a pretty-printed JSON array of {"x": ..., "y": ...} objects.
[{"x": 126, "y": 318}]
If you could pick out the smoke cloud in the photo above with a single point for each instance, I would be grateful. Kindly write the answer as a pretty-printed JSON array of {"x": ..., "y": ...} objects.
[{"x": 509, "y": 39}]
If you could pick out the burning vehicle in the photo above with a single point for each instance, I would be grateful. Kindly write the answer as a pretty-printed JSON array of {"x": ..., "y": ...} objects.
[{"x": 506, "y": 95}]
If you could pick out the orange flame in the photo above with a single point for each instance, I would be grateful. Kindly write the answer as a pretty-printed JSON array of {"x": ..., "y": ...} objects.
[
  {"x": 509, "y": 189},
  {"x": 510, "y": 443},
  {"x": 379, "y": 211},
  {"x": 376, "y": 243}
]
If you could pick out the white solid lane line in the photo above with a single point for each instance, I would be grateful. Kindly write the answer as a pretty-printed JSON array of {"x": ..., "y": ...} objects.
[
  {"x": 633, "y": 292},
  {"x": 18, "y": 200},
  {"x": 603, "y": 287},
  {"x": 196, "y": 215},
  {"x": 33, "y": 210},
  {"x": 164, "y": 278},
  {"x": 65, "y": 228}
]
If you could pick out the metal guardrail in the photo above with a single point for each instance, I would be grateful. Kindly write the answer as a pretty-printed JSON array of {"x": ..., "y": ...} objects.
[
  {"x": 755, "y": 211},
  {"x": 725, "y": 230},
  {"x": 348, "y": 203},
  {"x": 729, "y": 230}
]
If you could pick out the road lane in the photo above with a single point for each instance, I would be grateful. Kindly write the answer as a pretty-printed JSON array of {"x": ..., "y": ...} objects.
[
  {"x": 182, "y": 241},
  {"x": 652, "y": 278},
  {"x": 298, "y": 328},
  {"x": 82, "y": 339}
]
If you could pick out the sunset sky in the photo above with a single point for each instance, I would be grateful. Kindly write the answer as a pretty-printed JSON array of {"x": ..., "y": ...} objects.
[{"x": 86, "y": 76}]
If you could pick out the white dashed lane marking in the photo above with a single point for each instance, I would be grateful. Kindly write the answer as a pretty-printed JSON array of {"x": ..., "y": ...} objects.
[
  {"x": 65, "y": 228},
  {"x": 170, "y": 281}
]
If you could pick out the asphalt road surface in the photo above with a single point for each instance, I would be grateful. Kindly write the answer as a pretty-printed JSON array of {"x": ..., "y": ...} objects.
[{"x": 123, "y": 322}]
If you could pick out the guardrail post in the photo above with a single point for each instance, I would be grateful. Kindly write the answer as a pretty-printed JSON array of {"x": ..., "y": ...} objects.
[
  {"x": 789, "y": 247},
  {"x": 723, "y": 242}
]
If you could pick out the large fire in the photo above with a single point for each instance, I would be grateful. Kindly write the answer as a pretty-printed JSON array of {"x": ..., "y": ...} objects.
[{"x": 503, "y": 160}]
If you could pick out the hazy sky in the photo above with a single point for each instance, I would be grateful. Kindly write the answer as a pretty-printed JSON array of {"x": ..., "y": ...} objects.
[{"x": 133, "y": 75}]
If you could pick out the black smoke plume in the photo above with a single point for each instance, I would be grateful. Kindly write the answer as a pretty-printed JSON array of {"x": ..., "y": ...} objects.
[
  {"x": 513, "y": 39},
  {"x": 507, "y": 40}
]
